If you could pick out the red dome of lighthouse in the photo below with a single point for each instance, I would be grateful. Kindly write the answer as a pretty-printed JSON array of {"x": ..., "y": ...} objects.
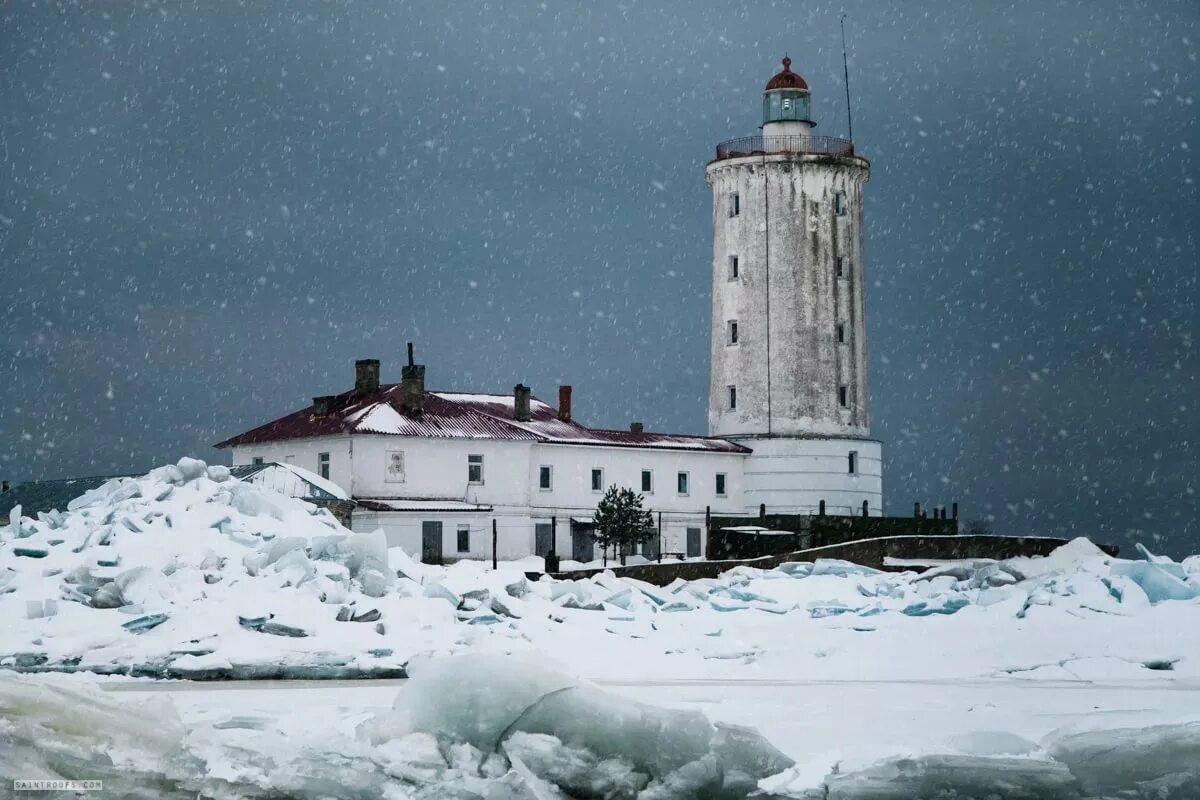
[{"x": 786, "y": 79}]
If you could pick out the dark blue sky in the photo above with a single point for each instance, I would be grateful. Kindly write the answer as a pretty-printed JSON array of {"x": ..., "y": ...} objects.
[{"x": 208, "y": 210}]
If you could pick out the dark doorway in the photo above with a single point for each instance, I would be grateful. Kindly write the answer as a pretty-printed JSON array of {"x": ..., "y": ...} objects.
[
  {"x": 583, "y": 548},
  {"x": 693, "y": 542},
  {"x": 650, "y": 548},
  {"x": 431, "y": 542},
  {"x": 543, "y": 539}
]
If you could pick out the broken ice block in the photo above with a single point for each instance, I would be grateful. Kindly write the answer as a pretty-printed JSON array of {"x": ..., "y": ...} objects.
[
  {"x": 279, "y": 629},
  {"x": 142, "y": 624}
]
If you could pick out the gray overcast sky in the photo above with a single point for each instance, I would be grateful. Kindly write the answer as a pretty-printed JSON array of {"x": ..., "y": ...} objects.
[{"x": 209, "y": 209}]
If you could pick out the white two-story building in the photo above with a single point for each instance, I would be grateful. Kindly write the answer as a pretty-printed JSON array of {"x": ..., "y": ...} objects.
[{"x": 437, "y": 471}]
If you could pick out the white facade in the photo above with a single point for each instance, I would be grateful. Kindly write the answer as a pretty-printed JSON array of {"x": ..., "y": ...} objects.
[
  {"x": 435, "y": 484},
  {"x": 788, "y": 278}
]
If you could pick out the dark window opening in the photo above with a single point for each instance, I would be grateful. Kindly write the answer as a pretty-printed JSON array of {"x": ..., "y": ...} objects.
[
  {"x": 464, "y": 540},
  {"x": 733, "y": 268},
  {"x": 323, "y": 465},
  {"x": 841, "y": 333},
  {"x": 544, "y": 474},
  {"x": 853, "y": 463},
  {"x": 732, "y": 398},
  {"x": 735, "y": 204},
  {"x": 647, "y": 481},
  {"x": 720, "y": 484},
  {"x": 256, "y": 461},
  {"x": 844, "y": 396},
  {"x": 733, "y": 331},
  {"x": 841, "y": 266},
  {"x": 597, "y": 480},
  {"x": 681, "y": 483}
]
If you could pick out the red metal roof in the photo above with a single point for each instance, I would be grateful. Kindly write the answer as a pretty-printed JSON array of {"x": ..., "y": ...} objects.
[
  {"x": 457, "y": 415},
  {"x": 786, "y": 79}
]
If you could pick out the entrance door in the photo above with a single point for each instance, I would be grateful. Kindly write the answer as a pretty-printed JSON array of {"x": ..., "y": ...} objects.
[
  {"x": 650, "y": 548},
  {"x": 693, "y": 542},
  {"x": 543, "y": 539},
  {"x": 583, "y": 548},
  {"x": 431, "y": 542}
]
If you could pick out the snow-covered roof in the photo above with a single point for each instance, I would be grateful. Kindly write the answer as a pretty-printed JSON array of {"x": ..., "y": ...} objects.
[
  {"x": 290, "y": 480},
  {"x": 460, "y": 415},
  {"x": 419, "y": 504}
]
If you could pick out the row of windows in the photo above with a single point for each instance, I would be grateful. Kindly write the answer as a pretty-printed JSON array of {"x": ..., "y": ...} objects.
[
  {"x": 395, "y": 474},
  {"x": 731, "y": 332},
  {"x": 735, "y": 204},
  {"x": 841, "y": 266},
  {"x": 843, "y": 396},
  {"x": 682, "y": 481}
]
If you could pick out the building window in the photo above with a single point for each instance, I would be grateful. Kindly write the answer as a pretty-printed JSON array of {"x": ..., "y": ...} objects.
[
  {"x": 735, "y": 204},
  {"x": 647, "y": 481},
  {"x": 839, "y": 204},
  {"x": 844, "y": 396},
  {"x": 475, "y": 469},
  {"x": 394, "y": 469},
  {"x": 464, "y": 539},
  {"x": 733, "y": 331},
  {"x": 545, "y": 474},
  {"x": 853, "y": 463},
  {"x": 257, "y": 461},
  {"x": 323, "y": 465},
  {"x": 681, "y": 483},
  {"x": 841, "y": 333},
  {"x": 732, "y": 397},
  {"x": 733, "y": 268},
  {"x": 720, "y": 484},
  {"x": 840, "y": 262},
  {"x": 597, "y": 480},
  {"x": 289, "y": 459}
]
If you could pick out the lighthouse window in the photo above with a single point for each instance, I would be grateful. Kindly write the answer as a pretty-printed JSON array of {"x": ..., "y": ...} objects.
[
  {"x": 732, "y": 397},
  {"x": 841, "y": 266},
  {"x": 853, "y": 463},
  {"x": 841, "y": 333},
  {"x": 733, "y": 331},
  {"x": 839, "y": 204},
  {"x": 735, "y": 205},
  {"x": 733, "y": 268},
  {"x": 844, "y": 396}
]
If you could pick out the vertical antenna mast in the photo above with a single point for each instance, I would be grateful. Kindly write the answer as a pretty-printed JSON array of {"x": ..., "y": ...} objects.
[{"x": 846, "y": 73}]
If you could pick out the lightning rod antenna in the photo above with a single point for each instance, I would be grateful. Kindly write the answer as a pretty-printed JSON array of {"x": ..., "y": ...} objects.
[{"x": 846, "y": 74}]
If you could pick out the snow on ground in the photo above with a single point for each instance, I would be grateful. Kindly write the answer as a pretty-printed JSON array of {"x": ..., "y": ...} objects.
[{"x": 189, "y": 570}]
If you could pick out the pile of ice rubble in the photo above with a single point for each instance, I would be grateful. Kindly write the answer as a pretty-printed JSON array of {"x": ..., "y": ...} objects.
[
  {"x": 189, "y": 572},
  {"x": 503, "y": 728}
]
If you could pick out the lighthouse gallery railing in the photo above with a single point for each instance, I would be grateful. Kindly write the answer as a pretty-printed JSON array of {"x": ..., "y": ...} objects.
[{"x": 766, "y": 145}]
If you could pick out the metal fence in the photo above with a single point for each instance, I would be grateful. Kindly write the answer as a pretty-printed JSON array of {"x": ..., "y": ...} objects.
[{"x": 766, "y": 145}]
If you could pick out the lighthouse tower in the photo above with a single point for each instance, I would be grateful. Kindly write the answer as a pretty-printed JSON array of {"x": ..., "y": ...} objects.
[{"x": 789, "y": 348}]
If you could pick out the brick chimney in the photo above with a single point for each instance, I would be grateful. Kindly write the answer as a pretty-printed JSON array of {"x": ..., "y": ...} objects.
[
  {"x": 412, "y": 386},
  {"x": 636, "y": 427},
  {"x": 564, "y": 403},
  {"x": 521, "y": 411},
  {"x": 366, "y": 376},
  {"x": 322, "y": 404}
]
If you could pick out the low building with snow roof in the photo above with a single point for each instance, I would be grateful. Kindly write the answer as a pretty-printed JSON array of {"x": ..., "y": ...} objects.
[{"x": 435, "y": 470}]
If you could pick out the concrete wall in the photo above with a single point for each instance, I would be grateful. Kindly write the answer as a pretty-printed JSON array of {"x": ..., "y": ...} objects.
[
  {"x": 788, "y": 238},
  {"x": 868, "y": 552}
]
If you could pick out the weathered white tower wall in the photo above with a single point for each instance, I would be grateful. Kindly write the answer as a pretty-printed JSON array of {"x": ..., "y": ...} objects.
[{"x": 788, "y": 276}]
